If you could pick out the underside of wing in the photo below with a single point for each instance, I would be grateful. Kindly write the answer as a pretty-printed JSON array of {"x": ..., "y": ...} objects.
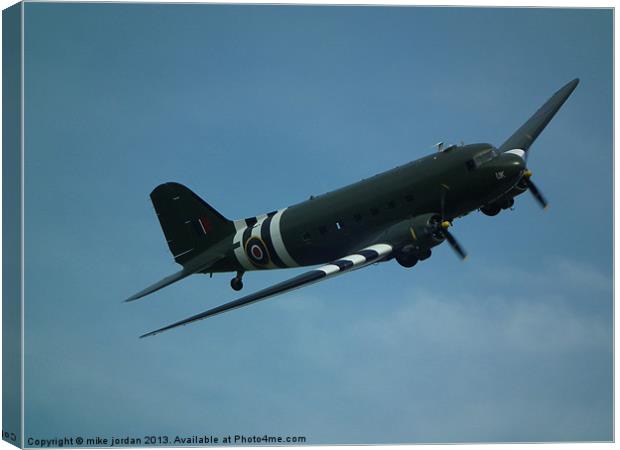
[{"x": 368, "y": 255}]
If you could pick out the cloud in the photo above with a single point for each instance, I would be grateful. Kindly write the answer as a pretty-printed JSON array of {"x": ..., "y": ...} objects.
[
  {"x": 557, "y": 273},
  {"x": 439, "y": 366}
]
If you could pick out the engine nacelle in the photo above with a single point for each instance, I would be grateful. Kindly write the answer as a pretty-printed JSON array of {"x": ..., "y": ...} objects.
[
  {"x": 505, "y": 201},
  {"x": 417, "y": 235},
  {"x": 519, "y": 189}
]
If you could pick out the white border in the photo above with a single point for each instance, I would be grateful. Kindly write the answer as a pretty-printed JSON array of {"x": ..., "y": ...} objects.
[
  {"x": 22, "y": 226},
  {"x": 474, "y": 3}
]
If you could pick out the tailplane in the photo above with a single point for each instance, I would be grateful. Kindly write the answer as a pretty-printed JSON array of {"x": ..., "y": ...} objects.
[{"x": 189, "y": 223}]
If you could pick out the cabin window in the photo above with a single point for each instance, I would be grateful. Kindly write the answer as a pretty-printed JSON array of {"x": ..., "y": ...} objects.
[
  {"x": 471, "y": 165},
  {"x": 374, "y": 211},
  {"x": 323, "y": 229},
  {"x": 306, "y": 237},
  {"x": 339, "y": 225}
]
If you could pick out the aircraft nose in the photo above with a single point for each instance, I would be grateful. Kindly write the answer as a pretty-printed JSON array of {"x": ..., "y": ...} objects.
[{"x": 511, "y": 164}]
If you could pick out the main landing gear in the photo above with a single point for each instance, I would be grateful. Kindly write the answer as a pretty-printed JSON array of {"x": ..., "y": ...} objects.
[
  {"x": 409, "y": 258},
  {"x": 237, "y": 282},
  {"x": 406, "y": 259},
  {"x": 494, "y": 208}
]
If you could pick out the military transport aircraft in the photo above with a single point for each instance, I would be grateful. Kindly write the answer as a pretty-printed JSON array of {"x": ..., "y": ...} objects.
[{"x": 400, "y": 214}]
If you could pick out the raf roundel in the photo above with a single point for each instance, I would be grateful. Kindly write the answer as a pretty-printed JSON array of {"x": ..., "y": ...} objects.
[{"x": 257, "y": 251}]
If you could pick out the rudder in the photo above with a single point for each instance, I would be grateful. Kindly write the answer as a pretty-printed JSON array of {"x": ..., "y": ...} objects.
[{"x": 190, "y": 224}]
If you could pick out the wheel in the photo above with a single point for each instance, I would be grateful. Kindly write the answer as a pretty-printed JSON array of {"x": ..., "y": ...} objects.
[
  {"x": 406, "y": 260},
  {"x": 236, "y": 284},
  {"x": 508, "y": 203},
  {"x": 425, "y": 254},
  {"x": 490, "y": 210}
]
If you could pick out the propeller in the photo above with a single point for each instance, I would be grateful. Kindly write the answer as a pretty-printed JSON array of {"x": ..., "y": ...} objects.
[
  {"x": 452, "y": 240},
  {"x": 540, "y": 198},
  {"x": 445, "y": 224}
]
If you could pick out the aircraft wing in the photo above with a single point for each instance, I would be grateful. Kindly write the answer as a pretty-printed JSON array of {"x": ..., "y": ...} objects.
[{"x": 364, "y": 257}]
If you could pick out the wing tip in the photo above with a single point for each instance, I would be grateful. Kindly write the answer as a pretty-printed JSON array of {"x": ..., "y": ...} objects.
[
  {"x": 152, "y": 333},
  {"x": 570, "y": 86},
  {"x": 161, "y": 330}
]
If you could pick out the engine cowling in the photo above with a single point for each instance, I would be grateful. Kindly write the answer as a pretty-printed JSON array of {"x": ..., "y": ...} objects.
[
  {"x": 416, "y": 235},
  {"x": 506, "y": 201}
]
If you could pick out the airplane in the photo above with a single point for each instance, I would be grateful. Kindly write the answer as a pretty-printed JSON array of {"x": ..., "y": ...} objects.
[{"x": 400, "y": 215}]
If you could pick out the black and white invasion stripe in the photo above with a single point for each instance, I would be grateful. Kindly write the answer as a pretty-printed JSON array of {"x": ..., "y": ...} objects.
[
  {"x": 265, "y": 233},
  {"x": 266, "y": 227},
  {"x": 368, "y": 255}
]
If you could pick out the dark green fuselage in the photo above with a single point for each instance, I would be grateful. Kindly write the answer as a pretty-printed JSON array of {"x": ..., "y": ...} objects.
[{"x": 329, "y": 226}]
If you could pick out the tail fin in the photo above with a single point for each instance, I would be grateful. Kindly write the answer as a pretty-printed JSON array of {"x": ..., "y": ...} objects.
[
  {"x": 529, "y": 131},
  {"x": 189, "y": 223}
]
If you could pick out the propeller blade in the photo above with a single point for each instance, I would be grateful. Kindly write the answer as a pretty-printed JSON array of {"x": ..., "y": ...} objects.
[
  {"x": 536, "y": 193},
  {"x": 444, "y": 192},
  {"x": 445, "y": 224},
  {"x": 454, "y": 244}
]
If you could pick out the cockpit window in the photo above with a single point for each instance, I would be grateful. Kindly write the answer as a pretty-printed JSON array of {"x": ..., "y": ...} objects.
[{"x": 481, "y": 158}]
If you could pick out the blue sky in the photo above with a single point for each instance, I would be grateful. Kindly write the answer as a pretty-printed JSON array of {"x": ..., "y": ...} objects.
[{"x": 256, "y": 108}]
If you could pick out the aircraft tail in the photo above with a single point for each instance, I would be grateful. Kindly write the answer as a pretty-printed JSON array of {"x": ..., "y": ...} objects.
[
  {"x": 189, "y": 223},
  {"x": 529, "y": 131}
]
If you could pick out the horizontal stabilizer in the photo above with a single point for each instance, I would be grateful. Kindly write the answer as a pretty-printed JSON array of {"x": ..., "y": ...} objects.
[
  {"x": 160, "y": 284},
  {"x": 529, "y": 131},
  {"x": 197, "y": 265}
]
